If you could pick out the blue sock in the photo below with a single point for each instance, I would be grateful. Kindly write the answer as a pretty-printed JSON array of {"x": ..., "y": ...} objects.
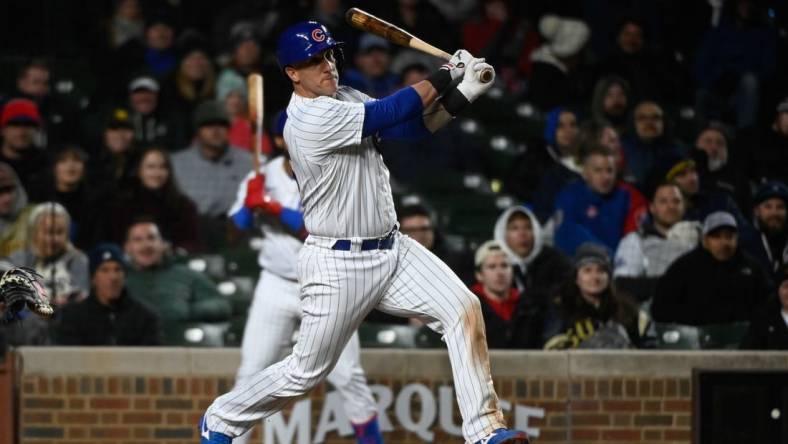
[{"x": 368, "y": 432}]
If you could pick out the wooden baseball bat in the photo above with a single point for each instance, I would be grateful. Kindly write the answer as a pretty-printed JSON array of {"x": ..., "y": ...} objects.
[
  {"x": 367, "y": 22},
  {"x": 254, "y": 83}
]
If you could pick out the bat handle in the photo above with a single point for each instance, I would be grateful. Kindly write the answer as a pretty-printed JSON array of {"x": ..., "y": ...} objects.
[{"x": 486, "y": 75}]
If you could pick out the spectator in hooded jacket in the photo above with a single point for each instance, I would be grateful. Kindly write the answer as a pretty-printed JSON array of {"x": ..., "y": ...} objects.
[
  {"x": 713, "y": 284},
  {"x": 549, "y": 164},
  {"x": 597, "y": 209},
  {"x": 538, "y": 270},
  {"x": 719, "y": 164},
  {"x": 612, "y": 102},
  {"x": 769, "y": 328}
]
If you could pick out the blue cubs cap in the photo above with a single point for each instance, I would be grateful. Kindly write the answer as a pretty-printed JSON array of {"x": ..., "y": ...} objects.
[
  {"x": 302, "y": 41},
  {"x": 770, "y": 190}
]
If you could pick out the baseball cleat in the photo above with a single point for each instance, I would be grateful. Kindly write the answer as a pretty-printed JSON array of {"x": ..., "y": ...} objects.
[
  {"x": 505, "y": 436},
  {"x": 209, "y": 437}
]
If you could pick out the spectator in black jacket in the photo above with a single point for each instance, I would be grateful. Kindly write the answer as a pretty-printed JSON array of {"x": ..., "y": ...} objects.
[
  {"x": 109, "y": 316},
  {"x": 499, "y": 300},
  {"x": 713, "y": 284},
  {"x": 769, "y": 328},
  {"x": 767, "y": 239}
]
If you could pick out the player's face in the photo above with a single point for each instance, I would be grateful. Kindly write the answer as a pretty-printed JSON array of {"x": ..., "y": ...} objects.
[
  {"x": 144, "y": 245},
  {"x": 420, "y": 229},
  {"x": 50, "y": 236},
  {"x": 592, "y": 279},
  {"x": 317, "y": 76},
  {"x": 599, "y": 172},
  {"x": 520, "y": 235},
  {"x": 721, "y": 243},
  {"x": 108, "y": 280},
  {"x": 495, "y": 273},
  {"x": 668, "y": 206},
  {"x": 771, "y": 215}
]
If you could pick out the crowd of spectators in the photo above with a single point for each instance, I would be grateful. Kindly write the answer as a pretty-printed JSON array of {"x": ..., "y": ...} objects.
[{"x": 654, "y": 191}]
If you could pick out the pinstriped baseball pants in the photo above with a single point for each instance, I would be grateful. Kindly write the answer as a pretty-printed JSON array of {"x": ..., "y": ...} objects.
[
  {"x": 338, "y": 289},
  {"x": 275, "y": 314}
]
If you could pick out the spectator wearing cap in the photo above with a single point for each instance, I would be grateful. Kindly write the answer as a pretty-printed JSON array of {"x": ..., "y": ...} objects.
[
  {"x": 14, "y": 211},
  {"x": 372, "y": 72},
  {"x": 597, "y": 209},
  {"x": 178, "y": 293},
  {"x": 612, "y": 102},
  {"x": 538, "y": 269},
  {"x": 50, "y": 252},
  {"x": 587, "y": 312},
  {"x": 767, "y": 239},
  {"x": 111, "y": 163},
  {"x": 644, "y": 255},
  {"x": 558, "y": 77},
  {"x": 681, "y": 169},
  {"x": 499, "y": 300},
  {"x": 549, "y": 164},
  {"x": 210, "y": 171},
  {"x": 109, "y": 316},
  {"x": 153, "y": 125},
  {"x": 19, "y": 122},
  {"x": 734, "y": 61},
  {"x": 58, "y": 116},
  {"x": 769, "y": 328},
  {"x": 715, "y": 283},
  {"x": 648, "y": 141},
  {"x": 770, "y": 158},
  {"x": 67, "y": 184},
  {"x": 152, "y": 192}
]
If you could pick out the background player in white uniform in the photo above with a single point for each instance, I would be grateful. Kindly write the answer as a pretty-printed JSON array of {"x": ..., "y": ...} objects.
[
  {"x": 354, "y": 259},
  {"x": 275, "y": 312}
]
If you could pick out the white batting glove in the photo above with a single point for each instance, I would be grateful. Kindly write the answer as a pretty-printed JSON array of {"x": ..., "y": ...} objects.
[
  {"x": 457, "y": 64},
  {"x": 471, "y": 86}
]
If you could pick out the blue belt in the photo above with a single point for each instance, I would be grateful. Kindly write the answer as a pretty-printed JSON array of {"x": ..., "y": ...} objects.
[{"x": 380, "y": 243}]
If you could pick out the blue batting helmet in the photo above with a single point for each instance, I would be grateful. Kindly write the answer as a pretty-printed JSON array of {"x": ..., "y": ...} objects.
[{"x": 303, "y": 41}]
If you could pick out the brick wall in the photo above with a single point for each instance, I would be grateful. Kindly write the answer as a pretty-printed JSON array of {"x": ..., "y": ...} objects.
[{"x": 105, "y": 406}]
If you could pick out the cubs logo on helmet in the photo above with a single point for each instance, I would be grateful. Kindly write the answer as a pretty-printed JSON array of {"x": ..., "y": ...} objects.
[{"x": 302, "y": 41}]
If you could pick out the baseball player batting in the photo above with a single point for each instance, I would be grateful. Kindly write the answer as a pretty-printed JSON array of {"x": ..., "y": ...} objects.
[
  {"x": 275, "y": 312},
  {"x": 355, "y": 259}
]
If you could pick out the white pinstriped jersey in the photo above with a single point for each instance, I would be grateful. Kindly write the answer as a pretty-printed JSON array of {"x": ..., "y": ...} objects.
[
  {"x": 279, "y": 252},
  {"x": 343, "y": 181}
]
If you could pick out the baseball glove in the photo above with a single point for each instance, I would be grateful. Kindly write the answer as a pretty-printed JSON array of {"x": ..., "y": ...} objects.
[{"x": 21, "y": 287}]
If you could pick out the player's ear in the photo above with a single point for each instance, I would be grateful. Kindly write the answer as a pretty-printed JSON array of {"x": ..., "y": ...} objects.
[{"x": 292, "y": 73}]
